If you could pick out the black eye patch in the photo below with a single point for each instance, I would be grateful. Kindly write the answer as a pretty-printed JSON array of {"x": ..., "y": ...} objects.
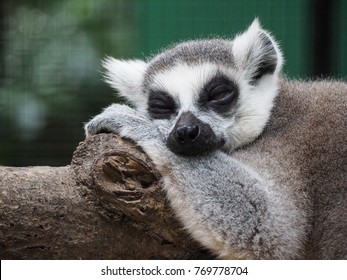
[
  {"x": 219, "y": 94},
  {"x": 161, "y": 105}
]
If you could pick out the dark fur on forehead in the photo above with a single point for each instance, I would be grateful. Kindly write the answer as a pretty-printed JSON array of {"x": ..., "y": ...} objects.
[{"x": 217, "y": 51}]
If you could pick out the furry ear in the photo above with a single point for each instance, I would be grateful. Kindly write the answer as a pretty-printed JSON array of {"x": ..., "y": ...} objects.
[
  {"x": 126, "y": 77},
  {"x": 257, "y": 53}
]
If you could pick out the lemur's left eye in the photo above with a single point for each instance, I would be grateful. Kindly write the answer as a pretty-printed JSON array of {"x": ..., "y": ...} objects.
[
  {"x": 161, "y": 105},
  {"x": 219, "y": 94}
]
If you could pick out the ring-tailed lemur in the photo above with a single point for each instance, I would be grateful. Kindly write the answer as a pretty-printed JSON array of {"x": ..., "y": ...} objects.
[{"x": 247, "y": 179}]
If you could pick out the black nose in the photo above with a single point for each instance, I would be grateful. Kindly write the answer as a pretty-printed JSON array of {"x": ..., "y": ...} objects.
[
  {"x": 191, "y": 136},
  {"x": 187, "y": 133}
]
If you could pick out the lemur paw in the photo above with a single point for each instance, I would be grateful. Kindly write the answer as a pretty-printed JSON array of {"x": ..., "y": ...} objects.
[{"x": 121, "y": 120}]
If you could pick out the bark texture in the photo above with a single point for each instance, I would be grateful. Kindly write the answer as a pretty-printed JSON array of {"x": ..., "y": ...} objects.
[{"x": 108, "y": 204}]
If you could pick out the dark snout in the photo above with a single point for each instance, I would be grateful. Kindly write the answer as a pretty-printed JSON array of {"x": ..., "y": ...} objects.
[{"x": 191, "y": 136}]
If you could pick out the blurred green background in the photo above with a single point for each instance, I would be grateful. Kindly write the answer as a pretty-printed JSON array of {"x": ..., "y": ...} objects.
[{"x": 50, "y": 52}]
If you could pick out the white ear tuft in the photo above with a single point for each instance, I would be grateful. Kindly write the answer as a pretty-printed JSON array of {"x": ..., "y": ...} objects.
[
  {"x": 126, "y": 77},
  {"x": 255, "y": 25},
  {"x": 257, "y": 53}
]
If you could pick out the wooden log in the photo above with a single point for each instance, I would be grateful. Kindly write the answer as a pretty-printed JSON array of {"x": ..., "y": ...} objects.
[{"x": 108, "y": 204}]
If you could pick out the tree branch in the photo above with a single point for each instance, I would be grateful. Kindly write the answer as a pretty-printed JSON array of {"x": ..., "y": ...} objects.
[{"x": 108, "y": 204}]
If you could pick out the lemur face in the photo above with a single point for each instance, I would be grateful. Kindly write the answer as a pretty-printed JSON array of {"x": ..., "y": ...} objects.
[
  {"x": 198, "y": 102},
  {"x": 206, "y": 94}
]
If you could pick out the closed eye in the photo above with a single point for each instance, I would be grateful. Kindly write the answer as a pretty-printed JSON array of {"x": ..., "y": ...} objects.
[
  {"x": 161, "y": 105},
  {"x": 219, "y": 94}
]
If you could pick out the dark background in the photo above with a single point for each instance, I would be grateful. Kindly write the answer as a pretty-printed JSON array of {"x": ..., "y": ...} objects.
[{"x": 50, "y": 52}]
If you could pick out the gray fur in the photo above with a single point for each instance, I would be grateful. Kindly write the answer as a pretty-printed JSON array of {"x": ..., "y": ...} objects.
[{"x": 283, "y": 196}]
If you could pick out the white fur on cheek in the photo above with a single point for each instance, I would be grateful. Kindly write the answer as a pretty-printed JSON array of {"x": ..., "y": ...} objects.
[{"x": 255, "y": 106}]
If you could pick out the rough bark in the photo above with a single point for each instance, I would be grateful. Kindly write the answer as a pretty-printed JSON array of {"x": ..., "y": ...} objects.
[{"x": 108, "y": 204}]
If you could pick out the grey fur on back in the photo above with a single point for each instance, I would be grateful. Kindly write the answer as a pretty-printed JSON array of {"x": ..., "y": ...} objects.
[{"x": 304, "y": 150}]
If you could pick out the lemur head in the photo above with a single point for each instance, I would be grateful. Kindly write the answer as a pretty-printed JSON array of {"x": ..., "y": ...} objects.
[{"x": 205, "y": 94}]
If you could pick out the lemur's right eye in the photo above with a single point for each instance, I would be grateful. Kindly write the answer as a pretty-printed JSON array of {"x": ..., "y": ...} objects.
[{"x": 161, "y": 105}]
